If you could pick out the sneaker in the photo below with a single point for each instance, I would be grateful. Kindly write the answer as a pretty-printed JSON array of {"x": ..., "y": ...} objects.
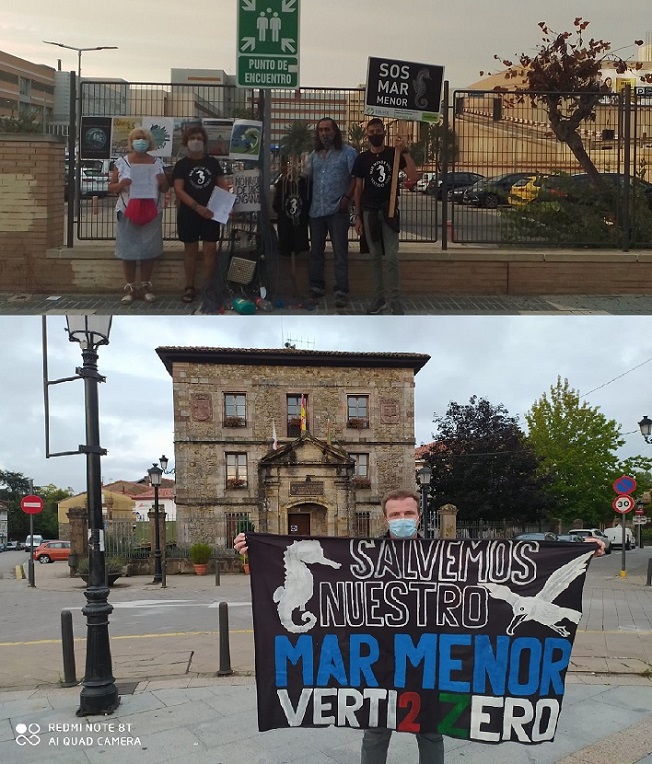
[
  {"x": 396, "y": 306},
  {"x": 129, "y": 294},
  {"x": 317, "y": 292},
  {"x": 377, "y": 306},
  {"x": 341, "y": 298},
  {"x": 146, "y": 289}
]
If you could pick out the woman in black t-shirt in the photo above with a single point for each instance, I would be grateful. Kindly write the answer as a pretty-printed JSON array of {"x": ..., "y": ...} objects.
[{"x": 195, "y": 176}]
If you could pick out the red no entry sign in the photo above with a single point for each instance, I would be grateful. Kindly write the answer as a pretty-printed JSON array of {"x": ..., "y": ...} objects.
[{"x": 31, "y": 504}]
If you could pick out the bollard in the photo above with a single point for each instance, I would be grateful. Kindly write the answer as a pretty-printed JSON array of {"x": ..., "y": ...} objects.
[
  {"x": 649, "y": 573},
  {"x": 217, "y": 572},
  {"x": 164, "y": 574},
  {"x": 68, "y": 645},
  {"x": 225, "y": 654}
]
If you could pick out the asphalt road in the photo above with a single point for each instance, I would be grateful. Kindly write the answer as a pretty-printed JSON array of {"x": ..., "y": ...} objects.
[{"x": 34, "y": 613}]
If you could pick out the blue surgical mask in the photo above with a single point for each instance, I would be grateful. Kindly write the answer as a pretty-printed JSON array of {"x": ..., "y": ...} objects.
[
  {"x": 403, "y": 528},
  {"x": 140, "y": 145}
]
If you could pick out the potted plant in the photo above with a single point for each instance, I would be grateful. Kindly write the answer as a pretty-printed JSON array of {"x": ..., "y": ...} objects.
[
  {"x": 236, "y": 483},
  {"x": 200, "y": 554},
  {"x": 358, "y": 423},
  {"x": 114, "y": 568},
  {"x": 361, "y": 482},
  {"x": 245, "y": 562}
]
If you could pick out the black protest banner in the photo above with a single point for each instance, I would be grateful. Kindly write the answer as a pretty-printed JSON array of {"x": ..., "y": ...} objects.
[{"x": 470, "y": 639}]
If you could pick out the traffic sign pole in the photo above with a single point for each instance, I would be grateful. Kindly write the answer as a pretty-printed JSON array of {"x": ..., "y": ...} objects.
[{"x": 31, "y": 505}]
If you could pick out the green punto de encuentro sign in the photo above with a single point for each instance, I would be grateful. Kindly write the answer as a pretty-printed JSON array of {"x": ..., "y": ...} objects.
[{"x": 268, "y": 44}]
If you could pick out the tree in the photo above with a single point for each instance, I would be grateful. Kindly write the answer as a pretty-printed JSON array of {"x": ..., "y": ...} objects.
[
  {"x": 13, "y": 486},
  {"x": 438, "y": 144},
  {"x": 483, "y": 465},
  {"x": 577, "y": 446},
  {"x": 564, "y": 77},
  {"x": 357, "y": 137},
  {"x": 298, "y": 139}
]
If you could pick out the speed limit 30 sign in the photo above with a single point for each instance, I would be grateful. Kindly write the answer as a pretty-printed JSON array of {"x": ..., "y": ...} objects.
[{"x": 623, "y": 504}]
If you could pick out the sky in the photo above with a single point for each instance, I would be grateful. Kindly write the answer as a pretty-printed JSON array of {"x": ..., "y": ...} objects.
[
  {"x": 511, "y": 360},
  {"x": 336, "y": 37}
]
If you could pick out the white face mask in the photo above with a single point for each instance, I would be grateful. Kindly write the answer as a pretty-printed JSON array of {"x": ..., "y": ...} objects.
[{"x": 195, "y": 146}]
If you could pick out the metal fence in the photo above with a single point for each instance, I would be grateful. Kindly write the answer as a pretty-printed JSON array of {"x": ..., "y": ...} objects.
[
  {"x": 180, "y": 104},
  {"x": 501, "y": 133},
  {"x": 494, "y": 134}
]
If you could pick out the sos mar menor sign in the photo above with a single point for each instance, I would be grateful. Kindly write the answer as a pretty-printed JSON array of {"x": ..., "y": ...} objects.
[
  {"x": 470, "y": 639},
  {"x": 403, "y": 90}
]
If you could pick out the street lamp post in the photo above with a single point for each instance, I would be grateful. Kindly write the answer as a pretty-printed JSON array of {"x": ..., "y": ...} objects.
[
  {"x": 645, "y": 426},
  {"x": 424, "y": 476},
  {"x": 99, "y": 694},
  {"x": 78, "y": 98},
  {"x": 155, "y": 475}
]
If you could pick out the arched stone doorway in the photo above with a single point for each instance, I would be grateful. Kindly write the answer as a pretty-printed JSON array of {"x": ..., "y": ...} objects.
[{"x": 307, "y": 519}]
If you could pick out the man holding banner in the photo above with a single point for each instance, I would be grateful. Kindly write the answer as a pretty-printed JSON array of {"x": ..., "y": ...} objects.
[
  {"x": 376, "y": 202},
  {"x": 402, "y": 515},
  {"x": 465, "y": 638}
]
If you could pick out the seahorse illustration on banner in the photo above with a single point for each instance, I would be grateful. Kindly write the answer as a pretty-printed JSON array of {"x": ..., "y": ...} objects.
[
  {"x": 298, "y": 585},
  {"x": 420, "y": 88}
]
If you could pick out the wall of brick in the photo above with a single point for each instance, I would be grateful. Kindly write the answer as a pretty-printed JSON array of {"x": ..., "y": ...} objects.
[{"x": 31, "y": 211}]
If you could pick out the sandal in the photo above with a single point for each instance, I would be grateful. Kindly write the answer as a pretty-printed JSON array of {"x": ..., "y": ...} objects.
[{"x": 188, "y": 295}]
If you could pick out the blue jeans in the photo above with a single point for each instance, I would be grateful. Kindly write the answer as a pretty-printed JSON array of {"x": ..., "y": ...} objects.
[
  {"x": 376, "y": 742},
  {"x": 337, "y": 227},
  {"x": 390, "y": 245}
]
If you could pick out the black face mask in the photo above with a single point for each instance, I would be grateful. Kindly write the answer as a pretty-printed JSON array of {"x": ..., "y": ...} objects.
[{"x": 376, "y": 140}]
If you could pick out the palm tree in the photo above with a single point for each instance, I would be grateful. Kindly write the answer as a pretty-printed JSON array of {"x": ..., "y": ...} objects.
[
  {"x": 357, "y": 137},
  {"x": 298, "y": 139}
]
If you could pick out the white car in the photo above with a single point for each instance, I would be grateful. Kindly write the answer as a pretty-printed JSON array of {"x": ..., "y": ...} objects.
[
  {"x": 585, "y": 532},
  {"x": 615, "y": 535}
]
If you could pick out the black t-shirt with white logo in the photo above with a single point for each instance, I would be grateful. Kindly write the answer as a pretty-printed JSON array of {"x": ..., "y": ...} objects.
[
  {"x": 376, "y": 173},
  {"x": 199, "y": 176}
]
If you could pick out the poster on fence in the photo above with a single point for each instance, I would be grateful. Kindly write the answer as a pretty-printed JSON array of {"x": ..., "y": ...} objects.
[
  {"x": 246, "y": 187},
  {"x": 469, "y": 638},
  {"x": 95, "y": 138}
]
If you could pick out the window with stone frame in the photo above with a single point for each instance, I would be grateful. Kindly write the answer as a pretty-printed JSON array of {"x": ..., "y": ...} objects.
[
  {"x": 361, "y": 478},
  {"x": 293, "y": 409},
  {"x": 236, "y": 470},
  {"x": 357, "y": 411},
  {"x": 363, "y": 524},
  {"x": 235, "y": 410}
]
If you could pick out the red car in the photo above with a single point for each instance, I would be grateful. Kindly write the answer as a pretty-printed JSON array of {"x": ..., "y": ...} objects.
[{"x": 49, "y": 551}]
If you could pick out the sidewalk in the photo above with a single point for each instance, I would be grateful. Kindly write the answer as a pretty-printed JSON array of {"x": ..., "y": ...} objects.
[
  {"x": 14, "y": 303},
  {"x": 175, "y": 713}
]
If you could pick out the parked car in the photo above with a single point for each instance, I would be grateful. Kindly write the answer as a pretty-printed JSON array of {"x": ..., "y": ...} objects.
[
  {"x": 527, "y": 189},
  {"x": 13, "y": 546},
  {"x": 453, "y": 180},
  {"x": 3, "y": 547},
  {"x": 580, "y": 189},
  {"x": 422, "y": 183},
  {"x": 50, "y": 551},
  {"x": 489, "y": 192},
  {"x": 586, "y": 532},
  {"x": 569, "y": 537},
  {"x": 544, "y": 536},
  {"x": 32, "y": 541},
  {"x": 615, "y": 535}
]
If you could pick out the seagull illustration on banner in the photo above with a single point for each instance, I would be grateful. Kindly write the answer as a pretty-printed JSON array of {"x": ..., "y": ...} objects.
[{"x": 541, "y": 607}]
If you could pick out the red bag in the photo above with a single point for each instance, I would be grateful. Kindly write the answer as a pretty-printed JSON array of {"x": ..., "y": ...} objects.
[{"x": 141, "y": 211}]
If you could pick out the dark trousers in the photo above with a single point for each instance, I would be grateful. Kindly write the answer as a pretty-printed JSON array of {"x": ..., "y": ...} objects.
[{"x": 337, "y": 227}]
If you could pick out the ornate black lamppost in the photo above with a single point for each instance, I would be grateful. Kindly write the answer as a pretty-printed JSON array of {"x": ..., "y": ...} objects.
[
  {"x": 99, "y": 694},
  {"x": 155, "y": 476},
  {"x": 424, "y": 476}
]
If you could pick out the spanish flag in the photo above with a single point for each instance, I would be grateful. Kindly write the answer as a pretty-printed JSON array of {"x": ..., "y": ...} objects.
[{"x": 303, "y": 413}]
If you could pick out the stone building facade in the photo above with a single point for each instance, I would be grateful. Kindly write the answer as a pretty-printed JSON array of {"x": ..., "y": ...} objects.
[{"x": 231, "y": 406}]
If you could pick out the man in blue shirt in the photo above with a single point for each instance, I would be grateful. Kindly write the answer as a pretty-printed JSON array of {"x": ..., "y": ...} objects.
[{"x": 329, "y": 168}]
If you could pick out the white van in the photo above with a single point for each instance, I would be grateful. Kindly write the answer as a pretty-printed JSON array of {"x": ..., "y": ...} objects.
[
  {"x": 615, "y": 535},
  {"x": 35, "y": 541}
]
